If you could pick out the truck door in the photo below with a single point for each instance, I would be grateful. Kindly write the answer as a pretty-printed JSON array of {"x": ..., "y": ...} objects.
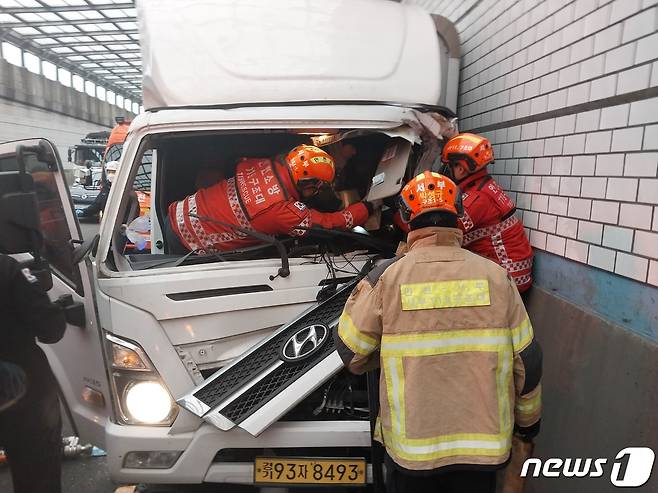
[{"x": 77, "y": 360}]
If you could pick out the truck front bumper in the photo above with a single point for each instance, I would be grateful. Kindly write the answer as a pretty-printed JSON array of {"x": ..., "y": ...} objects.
[{"x": 197, "y": 464}]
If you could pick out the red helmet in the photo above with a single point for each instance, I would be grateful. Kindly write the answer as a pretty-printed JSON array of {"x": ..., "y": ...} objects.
[
  {"x": 310, "y": 166},
  {"x": 429, "y": 192},
  {"x": 474, "y": 150}
]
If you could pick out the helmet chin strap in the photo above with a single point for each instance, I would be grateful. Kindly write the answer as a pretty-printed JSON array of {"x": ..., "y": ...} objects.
[{"x": 304, "y": 195}]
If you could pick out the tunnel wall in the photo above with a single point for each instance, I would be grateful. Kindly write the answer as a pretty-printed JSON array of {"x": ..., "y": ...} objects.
[
  {"x": 33, "y": 106},
  {"x": 600, "y": 391},
  {"x": 567, "y": 91},
  {"x": 20, "y": 121}
]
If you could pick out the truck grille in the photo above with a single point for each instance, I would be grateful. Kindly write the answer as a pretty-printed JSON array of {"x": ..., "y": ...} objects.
[
  {"x": 269, "y": 387},
  {"x": 240, "y": 389}
]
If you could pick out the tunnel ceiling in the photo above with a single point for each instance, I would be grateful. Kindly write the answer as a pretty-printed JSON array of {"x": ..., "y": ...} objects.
[{"x": 95, "y": 39}]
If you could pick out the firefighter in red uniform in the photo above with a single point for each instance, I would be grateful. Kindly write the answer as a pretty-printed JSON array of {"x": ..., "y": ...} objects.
[
  {"x": 265, "y": 195},
  {"x": 490, "y": 226}
]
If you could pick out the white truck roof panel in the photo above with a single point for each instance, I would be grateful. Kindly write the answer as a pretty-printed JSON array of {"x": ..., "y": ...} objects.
[{"x": 211, "y": 52}]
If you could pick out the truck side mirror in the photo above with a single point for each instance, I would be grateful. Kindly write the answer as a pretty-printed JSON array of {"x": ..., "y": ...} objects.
[
  {"x": 20, "y": 223},
  {"x": 19, "y": 215},
  {"x": 70, "y": 154},
  {"x": 84, "y": 248}
]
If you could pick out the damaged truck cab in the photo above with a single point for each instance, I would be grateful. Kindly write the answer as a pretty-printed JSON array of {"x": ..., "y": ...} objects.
[{"x": 188, "y": 368}]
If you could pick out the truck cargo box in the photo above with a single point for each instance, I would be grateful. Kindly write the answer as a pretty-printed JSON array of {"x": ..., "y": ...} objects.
[{"x": 213, "y": 52}]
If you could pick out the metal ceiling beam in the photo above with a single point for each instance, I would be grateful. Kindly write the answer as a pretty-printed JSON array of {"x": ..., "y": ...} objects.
[
  {"x": 108, "y": 52},
  {"x": 73, "y": 44},
  {"x": 66, "y": 22},
  {"x": 91, "y": 57},
  {"x": 66, "y": 8},
  {"x": 118, "y": 32},
  {"x": 108, "y": 63},
  {"x": 47, "y": 55},
  {"x": 101, "y": 72},
  {"x": 126, "y": 84},
  {"x": 113, "y": 78},
  {"x": 114, "y": 71}
]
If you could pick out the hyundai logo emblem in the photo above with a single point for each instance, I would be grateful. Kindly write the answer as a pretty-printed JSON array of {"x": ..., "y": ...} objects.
[{"x": 304, "y": 342}]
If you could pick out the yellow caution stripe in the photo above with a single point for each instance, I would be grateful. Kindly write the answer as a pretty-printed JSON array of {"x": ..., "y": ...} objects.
[
  {"x": 529, "y": 405},
  {"x": 395, "y": 347},
  {"x": 353, "y": 338},
  {"x": 466, "y": 444},
  {"x": 445, "y": 294},
  {"x": 444, "y": 342},
  {"x": 522, "y": 335}
]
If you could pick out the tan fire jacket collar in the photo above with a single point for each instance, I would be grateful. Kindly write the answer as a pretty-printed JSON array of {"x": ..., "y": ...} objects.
[{"x": 427, "y": 237}]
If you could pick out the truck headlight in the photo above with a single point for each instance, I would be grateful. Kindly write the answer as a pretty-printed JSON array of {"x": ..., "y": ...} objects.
[
  {"x": 140, "y": 396},
  {"x": 148, "y": 402}
]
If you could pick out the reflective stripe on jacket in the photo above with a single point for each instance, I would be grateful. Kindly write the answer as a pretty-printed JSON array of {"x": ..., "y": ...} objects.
[
  {"x": 460, "y": 366},
  {"x": 492, "y": 229},
  {"x": 260, "y": 197}
]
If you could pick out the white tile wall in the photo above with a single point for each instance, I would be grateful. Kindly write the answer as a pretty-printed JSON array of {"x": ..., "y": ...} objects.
[
  {"x": 648, "y": 191},
  {"x": 577, "y": 250},
  {"x": 579, "y": 208},
  {"x": 635, "y": 216},
  {"x": 605, "y": 211},
  {"x": 594, "y": 187},
  {"x": 602, "y": 258},
  {"x": 578, "y": 83},
  {"x": 614, "y": 116},
  {"x": 632, "y": 266},
  {"x": 619, "y": 238},
  {"x": 641, "y": 164},
  {"x": 627, "y": 139},
  {"x": 645, "y": 243},
  {"x": 590, "y": 232},
  {"x": 650, "y": 137},
  {"x": 622, "y": 189},
  {"x": 653, "y": 273},
  {"x": 558, "y": 205},
  {"x": 555, "y": 244},
  {"x": 567, "y": 227},
  {"x": 634, "y": 79},
  {"x": 610, "y": 164},
  {"x": 598, "y": 142}
]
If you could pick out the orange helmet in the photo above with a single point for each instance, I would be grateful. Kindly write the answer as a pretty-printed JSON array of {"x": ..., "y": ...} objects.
[
  {"x": 310, "y": 166},
  {"x": 474, "y": 150},
  {"x": 429, "y": 192}
]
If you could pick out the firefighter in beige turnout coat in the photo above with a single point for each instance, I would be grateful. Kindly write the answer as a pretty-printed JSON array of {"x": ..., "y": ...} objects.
[{"x": 460, "y": 368}]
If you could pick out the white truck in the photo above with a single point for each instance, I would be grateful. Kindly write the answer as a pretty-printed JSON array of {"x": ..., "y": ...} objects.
[{"x": 182, "y": 367}]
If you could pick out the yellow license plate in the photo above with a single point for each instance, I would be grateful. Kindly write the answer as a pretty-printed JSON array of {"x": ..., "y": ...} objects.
[{"x": 281, "y": 470}]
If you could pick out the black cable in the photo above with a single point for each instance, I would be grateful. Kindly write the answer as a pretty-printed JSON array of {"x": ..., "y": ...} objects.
[{"x": 284, "y": 270}]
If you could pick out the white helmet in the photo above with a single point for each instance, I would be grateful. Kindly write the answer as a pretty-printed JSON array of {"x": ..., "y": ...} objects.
[{"x": 111, "y": 168}]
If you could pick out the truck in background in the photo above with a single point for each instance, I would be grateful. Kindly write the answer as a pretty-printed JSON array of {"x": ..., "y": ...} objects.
[
  {"x": 90, "y": 158},
  {"x": 86, "y": 157}
]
